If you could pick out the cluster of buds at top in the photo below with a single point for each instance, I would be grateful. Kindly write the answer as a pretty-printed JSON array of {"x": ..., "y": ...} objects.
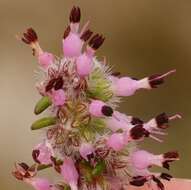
[{"x": 86, "y": 140}]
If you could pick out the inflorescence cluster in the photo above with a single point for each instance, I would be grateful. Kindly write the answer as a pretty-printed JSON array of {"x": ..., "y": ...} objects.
[{"x": 86, "y": 140}]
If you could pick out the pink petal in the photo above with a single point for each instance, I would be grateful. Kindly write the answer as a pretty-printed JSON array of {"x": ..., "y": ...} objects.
[
  {"x": 45, "y": 59},
  {"x": 69, "y": 172},
  {"x": 84, "y": 65},
  {"x": 116, "y": 141},
  {"x": 118, "y": 121},
  {"x": 141, "y": 159},
  {"x": 125, "y": 86},
  {"x": 39, "y": 183},
  {"x": 95, "y": 108},
  {"x": 45, "y": 153},
  {"x": 72, "y": 45},
  {"x": 58, "y": 97},
  {"x": 85, "y": 150}
]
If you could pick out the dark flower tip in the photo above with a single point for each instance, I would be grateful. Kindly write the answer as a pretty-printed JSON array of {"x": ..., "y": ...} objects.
[
  {"x": 86, "y": 35},
  {"x": 159, "y": 183},
  {"x": 116, "y": 74},
  {"x": 75, "y": 15},
  {"x": 107, "y": 111},
  {"x": 35, "y": 154},
  {"x": 24, "y": 166},
  {"x": 56, "y": 83},
  {"x": 171, "y": 155},
  {"x": 166, "y": 176},
  {"x": 138, "y": 132},
  {"x": 155, "y": 80},
  {"x": 96, "y": 41},
  {"x": 29, "y": 36},
  {"x": 17, "y": 175},
  {"x": 162, "y": 120},
  {"x": 136, "y": 121},
  {"x": 66, "y": 32},
  {"x": 138, "y": 181}
]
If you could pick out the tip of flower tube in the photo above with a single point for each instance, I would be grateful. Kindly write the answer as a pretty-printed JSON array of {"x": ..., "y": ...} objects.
[
  {"x": 107, "y": 111},
  {"x": 75, "y": 15}
]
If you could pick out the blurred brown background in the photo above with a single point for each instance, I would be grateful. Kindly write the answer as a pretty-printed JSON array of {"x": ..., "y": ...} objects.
[{"x": 142, "y": 37}]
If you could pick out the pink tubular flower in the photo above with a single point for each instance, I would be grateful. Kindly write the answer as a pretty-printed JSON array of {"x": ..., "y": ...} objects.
[
  {"x": 58, "y": 97},
  {"x": 97, "y": 108},
  {"x": 70, "y": 174},
  {"x": 87, "y": 141},
  {"x": 42, "y": 154},
  {"x": 142, "y": 159},
  {"x": 45, "y": 59},
  {"x": 119, "y": 121},
  {"x": 116, "y": 141},
  {"x": 73, "y": 40},
  {"x": 72, "y": 43},
  {"x": 85, "y": 150},
  {"x": 126, "y": 86},
  {"x": 84, "y": 62},
  {"x": 39, "y": 183}
]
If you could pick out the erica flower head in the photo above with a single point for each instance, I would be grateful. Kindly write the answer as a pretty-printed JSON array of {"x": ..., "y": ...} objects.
[{"x": 87, "y": 141}]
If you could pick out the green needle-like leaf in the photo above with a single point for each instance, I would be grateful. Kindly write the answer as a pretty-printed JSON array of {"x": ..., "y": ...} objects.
[
  {"x": 44, "y": 122},
  {"x": 42, "y": 104}
]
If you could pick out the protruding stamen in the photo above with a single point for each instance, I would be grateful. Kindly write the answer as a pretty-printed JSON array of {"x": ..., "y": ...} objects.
[
  {"x": 86, "y": 35},
  {"x": 158, "y": 79},
  {"x": 84, "y": 28},
  {"x": 158, "y": 182},
  {"x": 159, "y": 133},
  {"x": 176, "y": 116},
  {"x": 166, "y": 176},
  {"x": 155, "y": 138},
  {"x": 75, "y": 15}
]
